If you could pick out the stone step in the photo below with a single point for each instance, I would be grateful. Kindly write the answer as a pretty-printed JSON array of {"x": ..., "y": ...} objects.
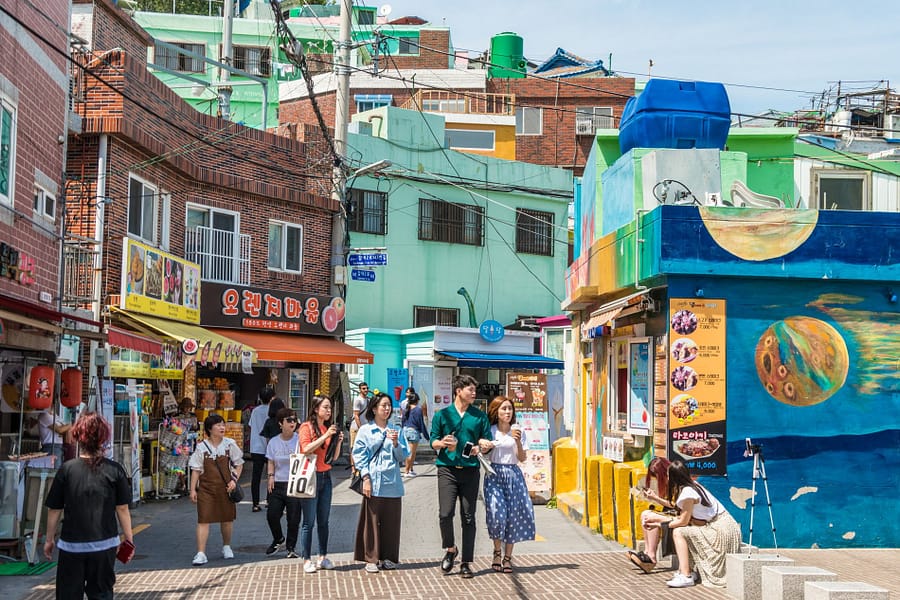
[
  {"x": 843, "y": 590},
  {"x": 786, "y": 582},
  {"x": 743, "y": 573}
]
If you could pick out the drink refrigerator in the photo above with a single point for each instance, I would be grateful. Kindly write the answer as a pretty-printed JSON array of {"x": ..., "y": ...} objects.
[{"x": 298, "y": 391}]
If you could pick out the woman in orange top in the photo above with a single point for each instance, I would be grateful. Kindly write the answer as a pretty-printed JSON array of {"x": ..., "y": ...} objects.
[{"x": 316, "y": 435}]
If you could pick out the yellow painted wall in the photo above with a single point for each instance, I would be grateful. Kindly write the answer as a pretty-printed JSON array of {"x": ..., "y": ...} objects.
[
  {"x": 504, "y": 139},
  {"x": 565, "y": 466}
]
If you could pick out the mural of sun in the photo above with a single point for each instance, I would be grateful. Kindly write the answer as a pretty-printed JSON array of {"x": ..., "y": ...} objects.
[{"x": 801, "y": 361}]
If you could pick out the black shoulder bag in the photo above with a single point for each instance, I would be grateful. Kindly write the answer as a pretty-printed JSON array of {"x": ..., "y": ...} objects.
[
  {"x": 356, "y": 481},
  {"x": 235, "y": 495}
]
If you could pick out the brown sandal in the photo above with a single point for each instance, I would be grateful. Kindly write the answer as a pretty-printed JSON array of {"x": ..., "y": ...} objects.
[
  {"x": 496, "y": 566},
  {"x": 507, "y": 564}
]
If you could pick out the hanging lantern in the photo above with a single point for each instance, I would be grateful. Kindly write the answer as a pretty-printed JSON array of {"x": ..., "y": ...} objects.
[
  {"x": 70, "y": 387},
  {"x": 40, "y": 387}
]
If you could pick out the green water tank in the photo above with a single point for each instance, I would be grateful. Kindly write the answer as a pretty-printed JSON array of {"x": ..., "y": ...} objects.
[{"x": 507, "y": 56}]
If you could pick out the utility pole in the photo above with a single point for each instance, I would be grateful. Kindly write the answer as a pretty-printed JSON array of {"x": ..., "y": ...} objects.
[
  {"x": 339, "y": 181},
  {"x": 227, "y": 58}
]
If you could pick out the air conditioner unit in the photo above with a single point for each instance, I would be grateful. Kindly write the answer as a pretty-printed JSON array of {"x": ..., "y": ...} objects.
[
  {"x": 584, "y": 126},
  {"x": 891, "y": 127}
]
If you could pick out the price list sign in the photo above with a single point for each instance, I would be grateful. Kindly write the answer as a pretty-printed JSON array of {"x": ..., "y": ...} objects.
[{"x": 696, "y": 381}]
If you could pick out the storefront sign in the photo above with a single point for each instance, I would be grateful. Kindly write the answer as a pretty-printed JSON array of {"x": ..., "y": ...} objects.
[
  {"x": 125, "y": 363},
  {"x": 639, "y": 411},
  {"x": 240, "y": 307},
  {"x": 491, "y": 331},
  {"x": 160, "y": 284},
  {"x": 528, "y": 392},
  {"x": 443, "y": 389},
  {"x": 16, "y": 265},
  {"x": 397, "y": 382},
  {"x": 697, "y": 384}
]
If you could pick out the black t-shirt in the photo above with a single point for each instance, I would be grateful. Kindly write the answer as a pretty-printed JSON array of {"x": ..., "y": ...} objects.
[{"x": 88, "y": 498}]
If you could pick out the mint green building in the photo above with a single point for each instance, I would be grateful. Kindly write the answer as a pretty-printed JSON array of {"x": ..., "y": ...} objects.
[{"x": 468, "y": 239}]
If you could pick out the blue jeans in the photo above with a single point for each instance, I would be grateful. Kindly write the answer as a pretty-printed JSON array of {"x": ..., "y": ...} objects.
[{"x": 316, "y": 510}]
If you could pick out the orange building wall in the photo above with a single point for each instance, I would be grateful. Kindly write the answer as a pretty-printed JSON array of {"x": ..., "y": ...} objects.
[{"x": 504, "y": 139}]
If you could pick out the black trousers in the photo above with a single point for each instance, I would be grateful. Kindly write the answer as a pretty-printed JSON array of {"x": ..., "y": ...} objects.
[
  {"x": 259, "y": 464},
  {"x": 91, "y": 573},
  {"x": 279, "y": 501},
  {"x": 459, "y": 484}
]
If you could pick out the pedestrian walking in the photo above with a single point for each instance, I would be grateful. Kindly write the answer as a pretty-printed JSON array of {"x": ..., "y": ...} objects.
[
  {"x": 271, "y": 427},
  {"x": 215, "y": 469},
  {"x": 414, "y": 430},
  {"x": 378, "y": 453},
  {"x": 91, "y": 493},
  {"x": 458, "y": 433},
  {"x": 360, "y": 403},
  {"x": 510, "y": 514},
  {"x": 316, "y": 435},
  {"x": 258, "y": 444},
  {"x": 278, "y": 456}
]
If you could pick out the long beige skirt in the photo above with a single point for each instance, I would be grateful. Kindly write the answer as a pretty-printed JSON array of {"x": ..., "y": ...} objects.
[{"x": 708, "y": 544}]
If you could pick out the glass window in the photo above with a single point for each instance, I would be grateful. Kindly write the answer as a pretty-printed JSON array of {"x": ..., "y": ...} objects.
[
  {"x": 171, "y": 58},
  {"x": 7, "y": 151},
  {"x": 590, "y": 118},
  {"x": 409, "y": 45},
  {"x": 426, "y": 316},
  {"x": 44, "y": 203},
  {"x": 534, "y": 232},
  {"x": 213, "y": 239},
  {"x": 529, "y": 120},
  {"x": 838, "y": 189},
  {"x": 469, "y": 139},
  {"x": 285, "y": 246},
  {"x": 450, "y": 222},
  {"x": 368, "y": 212},
  {"x": 253, "y": 60},
  {"x": 142, "y": 210}
]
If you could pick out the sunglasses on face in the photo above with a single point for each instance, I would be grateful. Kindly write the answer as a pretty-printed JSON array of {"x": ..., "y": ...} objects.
[{"x": 291, "y": 420}]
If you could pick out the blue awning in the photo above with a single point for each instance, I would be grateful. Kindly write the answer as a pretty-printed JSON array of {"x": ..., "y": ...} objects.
[{"x": 504, "y": 361}]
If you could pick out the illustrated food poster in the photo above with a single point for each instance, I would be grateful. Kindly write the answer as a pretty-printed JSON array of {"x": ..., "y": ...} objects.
[{"x": 528, "y": 392}]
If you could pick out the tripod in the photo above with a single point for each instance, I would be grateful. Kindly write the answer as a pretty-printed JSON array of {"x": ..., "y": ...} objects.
[{"x": 759, "y": 471}]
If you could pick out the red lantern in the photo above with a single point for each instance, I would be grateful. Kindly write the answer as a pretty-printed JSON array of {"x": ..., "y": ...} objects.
[
  {"x": 40, "y": 387},
  {"x": 70, "y": 387}
]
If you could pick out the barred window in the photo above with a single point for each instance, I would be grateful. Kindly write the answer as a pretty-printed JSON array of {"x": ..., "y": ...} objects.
[
  {"x": 425, "y": 316},
  {"x": 450, "y": 222},
  {"x": 256, "y": 61},
  {"x": 170, "y": 58},
  {"x": 534, "y": 232},
  {"x": 368, "y": 212}
]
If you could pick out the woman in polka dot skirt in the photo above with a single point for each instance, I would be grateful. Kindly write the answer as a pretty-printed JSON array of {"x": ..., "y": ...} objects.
[{"x": 510, "y": 515}]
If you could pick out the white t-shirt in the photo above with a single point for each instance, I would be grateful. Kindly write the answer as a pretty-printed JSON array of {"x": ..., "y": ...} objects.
[
  {"x": 359, "y": 404},
  {"x": 504, "y": 452},
  {"x": 279, "y": 451},
  {"x": 703, "y": 513},
  {"x": 258, "y": 418},
  {"x": 228, "y": 447},
  {"x": 46, "y": 421}
]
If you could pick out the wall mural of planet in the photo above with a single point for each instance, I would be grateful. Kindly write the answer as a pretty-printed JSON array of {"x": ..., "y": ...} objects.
[
  {"x": 802, "y": 361},
  {"x": 758, "y": 233}
]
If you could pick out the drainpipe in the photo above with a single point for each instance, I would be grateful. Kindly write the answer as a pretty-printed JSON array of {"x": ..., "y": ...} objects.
[
  {"x": 95, "y": 370},
  {"x": 638, "y": 240}
]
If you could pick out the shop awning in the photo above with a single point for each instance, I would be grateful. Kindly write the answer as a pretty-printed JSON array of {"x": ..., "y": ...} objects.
[
  {"x": 133, "y": 341},
  {"x": 589, "y": 329},
  {"x": 179, "y": 332},
  {"x": 288, "y": 347},
  {"x": 503, "y": 361}
]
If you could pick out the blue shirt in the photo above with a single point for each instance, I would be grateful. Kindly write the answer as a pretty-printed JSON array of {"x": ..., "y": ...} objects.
[
  {"x": 414, "y": 420},
  {"x": 382, "y": 468}
]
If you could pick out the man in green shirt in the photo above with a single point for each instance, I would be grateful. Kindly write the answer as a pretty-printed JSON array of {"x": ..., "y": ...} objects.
[{"x": 458, "y": 433}]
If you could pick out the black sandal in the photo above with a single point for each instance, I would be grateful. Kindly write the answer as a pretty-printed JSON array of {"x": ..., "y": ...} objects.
[
  {"x": 507, "y": 564},
  {"x": 257, "y": 508},
  {"x": 496, "y": 566}
]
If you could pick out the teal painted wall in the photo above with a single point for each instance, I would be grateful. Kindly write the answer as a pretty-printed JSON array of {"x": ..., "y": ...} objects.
[{"x": 503, "y": 284}]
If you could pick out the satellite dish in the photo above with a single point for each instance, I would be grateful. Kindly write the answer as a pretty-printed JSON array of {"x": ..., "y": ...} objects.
[{"x": 384, "y": 10}]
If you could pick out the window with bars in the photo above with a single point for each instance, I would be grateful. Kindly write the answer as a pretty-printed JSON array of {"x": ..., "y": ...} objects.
[
  {"x": 534, "y": 232},
  {"x": 176, "y": 61},
  {"x": 426, "y": 316},
  {"x": 253, "y": 60},
  {"x": 450, "y": 222},
  {"x": 368, "y": 212}
]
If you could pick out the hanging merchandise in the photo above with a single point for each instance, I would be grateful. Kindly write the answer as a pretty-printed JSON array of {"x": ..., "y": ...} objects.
[
  {"x": 70, "y": 387},
  {"x": 40, "y": 387}
]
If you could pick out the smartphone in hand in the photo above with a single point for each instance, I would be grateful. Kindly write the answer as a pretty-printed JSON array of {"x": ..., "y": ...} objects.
[{"x": 467, "y": 449}]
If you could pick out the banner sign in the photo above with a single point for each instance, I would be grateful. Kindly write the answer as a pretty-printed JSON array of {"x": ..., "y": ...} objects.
[
  {"x": 639, "y": 415},
  {"x": 125, "y": 363},
  {"x": 697, "y": 384},
  {"x": 160, "y": 284},
  {"x": 240, "y": 307},
  {"x": 528, "y": 391}
]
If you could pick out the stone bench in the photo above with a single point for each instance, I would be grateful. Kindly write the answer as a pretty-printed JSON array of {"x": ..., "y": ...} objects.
[
  {"x": 843, "y": 590},
  {"x": 743, "y": 573},
  {"x": 786, "y": 582}
]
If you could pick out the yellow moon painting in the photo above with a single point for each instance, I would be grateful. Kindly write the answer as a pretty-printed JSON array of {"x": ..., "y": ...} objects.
[
  {"x": 802, "y": 361},
  {"x": 758, "y": 233}
]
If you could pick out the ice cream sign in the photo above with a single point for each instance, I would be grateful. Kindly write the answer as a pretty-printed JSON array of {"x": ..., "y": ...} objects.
[{"x": 242, "y": 307}]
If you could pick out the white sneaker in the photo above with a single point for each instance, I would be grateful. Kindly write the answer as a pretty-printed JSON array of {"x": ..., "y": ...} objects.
[
  {"x": 309, "y": 567},
  {"x": 227, "y": 552},
  {"x": 680, "y": 581},
  {"x": 412, "y": 474},
  {"x": 199, "y": 559},
  {"x": 371, "y": 568},
  {"x": 325, "y": 563}
]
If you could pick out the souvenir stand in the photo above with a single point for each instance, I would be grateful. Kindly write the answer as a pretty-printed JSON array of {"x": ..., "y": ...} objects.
[{"x": 174, "y": 448}]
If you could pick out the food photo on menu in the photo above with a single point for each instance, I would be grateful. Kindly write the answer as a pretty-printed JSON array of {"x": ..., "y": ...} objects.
[
  {"x": 693, "y": 449},
  {"x": 684, "y": 322},
  {"x": 684, "y": 378}
]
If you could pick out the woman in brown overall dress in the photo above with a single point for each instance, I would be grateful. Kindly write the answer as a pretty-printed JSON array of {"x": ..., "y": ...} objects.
[{"x": 215, "y": 469}]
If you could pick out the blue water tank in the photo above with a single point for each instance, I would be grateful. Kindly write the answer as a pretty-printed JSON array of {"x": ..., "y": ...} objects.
[{"x": 676, "y": 114}]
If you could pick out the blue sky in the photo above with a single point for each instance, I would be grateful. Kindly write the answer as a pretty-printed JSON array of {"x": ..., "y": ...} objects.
[{"x": 799, "y": 46}]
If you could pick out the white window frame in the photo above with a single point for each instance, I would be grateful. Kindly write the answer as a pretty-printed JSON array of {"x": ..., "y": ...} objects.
[
  {"x": 165, "y": 226},
  {"x": 492, "y": 133},
  {"x": 154, "y": 199},
  {"x": 817, "y": 174},
  {"x": 520, "y": 120},
  {"x": 284, "y": 226},
  {"x": 40, "y": 203},
  {"x": 8, "y": 106},
  {"x": 211, "y": 266},
  {"x": 262, "y": 59}
]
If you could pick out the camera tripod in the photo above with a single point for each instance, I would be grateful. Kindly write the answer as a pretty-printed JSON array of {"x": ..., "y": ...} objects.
[{"x": 759, "y": 471}]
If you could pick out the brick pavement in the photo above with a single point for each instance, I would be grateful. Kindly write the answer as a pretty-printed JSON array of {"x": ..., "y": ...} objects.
[{"x": 600, "y": 576}]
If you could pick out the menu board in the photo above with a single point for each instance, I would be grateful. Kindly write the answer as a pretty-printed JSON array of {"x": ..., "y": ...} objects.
[
  {"x": 696, "y": 376},
  {"x": 528, "y": 392},
  {"x": 158, "y": 283},
  {"x": 660, "y": 396}
]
